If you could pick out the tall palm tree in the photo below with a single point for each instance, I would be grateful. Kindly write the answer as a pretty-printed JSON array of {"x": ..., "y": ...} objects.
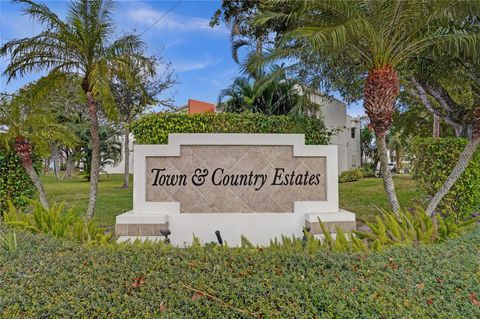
[
  {"x": 26, "y": 126},
  {"x": 83, "y": 44},
  {"x": 380, "y": 36}
]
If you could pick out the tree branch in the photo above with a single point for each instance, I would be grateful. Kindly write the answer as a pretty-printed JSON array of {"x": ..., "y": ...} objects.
[{"x": 422, "y": 95}]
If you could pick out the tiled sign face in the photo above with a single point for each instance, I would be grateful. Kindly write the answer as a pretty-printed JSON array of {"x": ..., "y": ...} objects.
[{"x": 235, "y": 179}]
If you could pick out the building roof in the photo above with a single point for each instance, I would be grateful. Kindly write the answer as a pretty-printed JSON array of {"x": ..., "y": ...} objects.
[{"x": 195, "y": 106}]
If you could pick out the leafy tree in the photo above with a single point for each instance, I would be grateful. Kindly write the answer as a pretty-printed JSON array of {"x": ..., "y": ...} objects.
[
  {"x": 63, "y": 97},
  {"x": 368, "y": 147},
  {"x": 134, "y": 97},
  {"x": 272, "y": 94},
  {"x": 81, "y": 44},
  {"x": 237, "y": 16},
  {"x": 377, "y": 38},
  {"x": 26, "y": 126},
  {"x": 450, "y": 89}
]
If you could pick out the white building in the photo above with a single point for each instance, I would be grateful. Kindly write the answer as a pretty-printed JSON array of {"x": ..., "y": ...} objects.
[
  {"x": 334, "y": 113},
  {"x": 120, "y": 167},
  {"x": 335, "y": 116}
]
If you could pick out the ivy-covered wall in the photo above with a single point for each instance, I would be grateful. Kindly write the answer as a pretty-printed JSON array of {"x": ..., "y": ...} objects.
[
  {"x": 154, "y": 128},
  {"x": 15, "y": 185},
  {"x": 433, "y": 161}
]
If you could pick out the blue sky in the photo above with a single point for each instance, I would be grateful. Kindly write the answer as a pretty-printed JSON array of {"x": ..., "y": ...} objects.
[{"x": 200, "y": 55}]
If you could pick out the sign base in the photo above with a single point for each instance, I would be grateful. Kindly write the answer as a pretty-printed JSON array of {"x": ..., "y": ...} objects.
[{"x": 258, "y": 228}]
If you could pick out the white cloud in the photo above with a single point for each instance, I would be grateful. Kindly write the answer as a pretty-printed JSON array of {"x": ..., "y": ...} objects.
[
  {"x": 186, "y": 66},
  {"x": 146, "y": 16}
]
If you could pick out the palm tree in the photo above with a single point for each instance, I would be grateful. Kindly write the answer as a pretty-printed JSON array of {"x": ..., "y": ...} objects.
[
  {"x": 273, "y": 94},
  {"x": 80, "y": 44},
  {"x": 380, "y": 36},
  {"x": 110, "y": 147},
  {"x": 25, "y": 126}
]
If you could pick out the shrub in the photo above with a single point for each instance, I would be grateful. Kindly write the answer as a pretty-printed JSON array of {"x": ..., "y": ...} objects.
[
  {"x": 388, "y": 230},
  {"x": 50, "y": 278},
  {"x": 56, "y": 222},
  {"x": 15, "y": 185},
  {"x": 411, "y": 229},
  {"x": 154, "y": 128},
  {"x": 352, "y": 175},
  {"x": 368, "y": 170},
  {"x": 433, "y": 161}
]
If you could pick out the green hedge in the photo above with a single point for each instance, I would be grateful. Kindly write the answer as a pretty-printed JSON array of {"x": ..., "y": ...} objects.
[
  {"x": 49, "y": 278},
  {"x": 154, "y": 128},
  {"x": 433, "y": 161},
  {"x": 352, "y": 175},
  {"x": 15, "y": 185}
]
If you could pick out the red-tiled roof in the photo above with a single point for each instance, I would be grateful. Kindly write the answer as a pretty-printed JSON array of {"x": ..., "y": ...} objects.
[{"x": 195, "y": 106}]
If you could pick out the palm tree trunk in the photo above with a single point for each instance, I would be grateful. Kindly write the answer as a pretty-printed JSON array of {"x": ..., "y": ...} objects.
[
  {"x": 386, "y": 174},
  {"x": 69, "y": 167},
  {"x": 381, "y": 90},
  {"x": 24, "y": 150},
  {"x": 436, "y": 126},
  {"x": 56, "y": 165},
  {"x": 126, "y": 154},
  {"x": 95, "y": 164},
  {"x": 457, "y": 171},
  {"x": 399, "y": 156},
  {"x": 38, "y": 185}
]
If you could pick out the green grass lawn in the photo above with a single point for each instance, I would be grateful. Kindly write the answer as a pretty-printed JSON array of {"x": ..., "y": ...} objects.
[
  {"x": 362, "y": 198},
  {"x": 366, "y": 196},
  {"x": 112, "y": 199}
]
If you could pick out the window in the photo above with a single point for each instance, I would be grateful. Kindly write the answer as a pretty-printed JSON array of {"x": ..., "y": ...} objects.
[{"x": 353, "y": 129}]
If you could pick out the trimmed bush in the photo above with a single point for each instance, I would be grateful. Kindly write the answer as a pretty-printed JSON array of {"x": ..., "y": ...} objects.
[
  {"x": 433, "y": 161},
  {"x": 154, "y": 128},
  {"x": 49, "y": 278},
  {"x": 352, "y": 175},
  {"x": 15, "y": 185}
]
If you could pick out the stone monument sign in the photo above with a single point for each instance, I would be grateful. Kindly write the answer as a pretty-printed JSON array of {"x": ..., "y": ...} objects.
[{"x": 257, "y": 185}]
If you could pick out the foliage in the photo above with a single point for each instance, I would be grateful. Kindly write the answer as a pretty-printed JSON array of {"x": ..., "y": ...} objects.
[
  {"x": 368, "y": 170},
  {"x": 81, "y": 44},
  {"x": 26, "y": 116},
  {"x": 134, "y": 97},
  {"x": 57, "y": 222},
  {"x": 154, "y": 128},
  {"x": 351, "y": 175},
  {"x": 9, "y": 241},
  {"x": 272, "y": 93},
  {"x": 410, "y": 229},
  {"x": 433, "y": 161},
  {"x": 368, "y": 146},
  {"x": 368, "y": 34},
  {"x": 82, "y": 41},
  {"x": 152, "y": 281},
  {"x": 110, "y": 147},
  {"x": 15, "y": 185}
]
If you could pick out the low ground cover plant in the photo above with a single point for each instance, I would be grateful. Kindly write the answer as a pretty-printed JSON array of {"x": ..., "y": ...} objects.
[{"x": 47, "y": 277}]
